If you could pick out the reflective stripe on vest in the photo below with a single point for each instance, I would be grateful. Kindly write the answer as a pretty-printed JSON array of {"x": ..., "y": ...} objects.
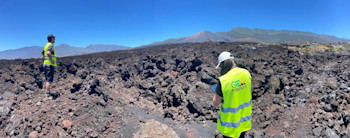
[
  {"x": 235, "y": 112},
  {"x": 47, "y": 57},
  {"x": 233, "y": 124},
  {"x": 53, "y": 55}
]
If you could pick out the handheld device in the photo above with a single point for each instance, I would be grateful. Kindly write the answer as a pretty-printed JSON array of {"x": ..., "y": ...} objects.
[{"x": 213, "y": 88}]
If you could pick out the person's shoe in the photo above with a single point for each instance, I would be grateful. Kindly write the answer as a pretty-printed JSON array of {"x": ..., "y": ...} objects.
[
  {"x": 48, "y": 96},
  {"x": 55, "y": 95},
  {"x": 47, "y": 93}
]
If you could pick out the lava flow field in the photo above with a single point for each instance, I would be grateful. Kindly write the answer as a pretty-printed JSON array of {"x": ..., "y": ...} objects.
[{"x": 164, "y": 91}]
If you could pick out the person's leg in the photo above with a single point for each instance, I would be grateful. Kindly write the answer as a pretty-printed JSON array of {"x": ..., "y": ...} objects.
[
  {"x": 242, "y": 135},
  {"x": 49, "y": 70},
  {"x": 52, "y": 72},
  {"x": 47, "y": 86},
  {"x": 50, "y": 79},
  {"x": 47, "y": 78}
]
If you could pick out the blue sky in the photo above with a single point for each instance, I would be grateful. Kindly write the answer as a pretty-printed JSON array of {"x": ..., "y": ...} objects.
[{"x": 137, "y": 22}]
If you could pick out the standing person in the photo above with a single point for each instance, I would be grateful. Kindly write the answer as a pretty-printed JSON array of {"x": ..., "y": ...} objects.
[
  {"x": 234, "y": 92},
  {"x": 49, "y": 62}
]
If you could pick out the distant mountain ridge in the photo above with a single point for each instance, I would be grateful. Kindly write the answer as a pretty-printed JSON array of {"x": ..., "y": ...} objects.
[
  {"x": 235, "y": 34},
  {"x": 61, "y": 50},
  {"x": 103, "y": 47},
  {"x": 256, "y": 35},
  {"x": 26, "y": 52},
  {"x": 206, "y": 36}
]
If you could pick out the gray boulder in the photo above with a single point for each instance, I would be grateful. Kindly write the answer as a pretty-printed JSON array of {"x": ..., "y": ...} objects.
[{"x": 330, "y": 133}]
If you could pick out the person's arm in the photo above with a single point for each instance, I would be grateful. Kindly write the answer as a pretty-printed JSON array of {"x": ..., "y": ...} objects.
[
  {"x": 216, "y": 100},
  {"x": 49, "y": 55},
  {"x": 50, "y": 49}
]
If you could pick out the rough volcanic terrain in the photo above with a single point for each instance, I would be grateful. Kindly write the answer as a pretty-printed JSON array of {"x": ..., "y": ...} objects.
[{"x": 164, "y": 92}]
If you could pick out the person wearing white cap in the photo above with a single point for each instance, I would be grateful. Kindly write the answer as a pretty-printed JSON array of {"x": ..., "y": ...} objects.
[{"x": 234, "y": 92}]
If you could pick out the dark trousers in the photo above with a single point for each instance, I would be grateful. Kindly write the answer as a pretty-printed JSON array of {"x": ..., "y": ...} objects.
[
  {"x": 49, "y": 73},
  {"x": 241, "y": 136}
]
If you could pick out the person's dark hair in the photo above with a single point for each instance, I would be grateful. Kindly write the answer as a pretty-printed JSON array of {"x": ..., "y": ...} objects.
[
  {"x": 49, "y": 37},
  {"x": 226, "y": 66}
]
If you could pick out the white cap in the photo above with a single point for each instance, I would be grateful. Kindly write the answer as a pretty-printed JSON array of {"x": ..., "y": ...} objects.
[{"x": 224, "y": 56}]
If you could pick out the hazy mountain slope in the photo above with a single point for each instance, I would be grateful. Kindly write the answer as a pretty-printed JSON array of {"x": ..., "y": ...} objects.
[
  {"x": 256, "y": 35},
  {"x": 26, "y": 52},
  {"x": 103, "y": 47},
  {"x": 205, "y": 36},
  {"x": 62, "y": 50},
  {"x": 280, "y": 36},
  {"x": 66, "y": 50},
  {"x": 165, "y": 42}
]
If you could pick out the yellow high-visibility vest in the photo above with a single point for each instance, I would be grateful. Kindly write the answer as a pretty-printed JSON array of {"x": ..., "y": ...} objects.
[
  {"x": 236, "y": 111},
  {"x": 53, "y": 55}
]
